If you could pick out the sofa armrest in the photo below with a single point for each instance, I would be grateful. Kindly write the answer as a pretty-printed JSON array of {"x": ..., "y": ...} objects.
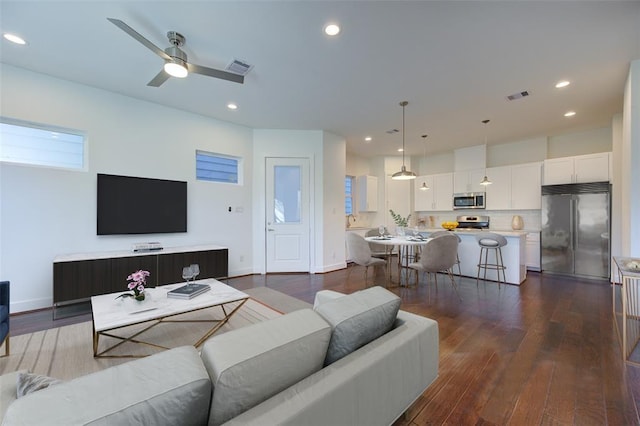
[
  {"x": 373, "y": 385},
  {"x": 324, "y": 296},
  {"x": 167, "y": 388}
]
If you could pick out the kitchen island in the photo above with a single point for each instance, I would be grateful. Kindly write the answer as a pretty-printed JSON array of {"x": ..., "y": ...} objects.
[{"x": 513, "y": 254}]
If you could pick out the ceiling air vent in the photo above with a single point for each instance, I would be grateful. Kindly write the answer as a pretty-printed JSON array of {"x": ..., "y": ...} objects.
[
  {"x": 518, "y": 95},
  {"x": 239, "y": 67}
]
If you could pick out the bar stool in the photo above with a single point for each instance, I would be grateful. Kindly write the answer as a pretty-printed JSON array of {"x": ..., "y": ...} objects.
[{"x": 490, "y": 241}]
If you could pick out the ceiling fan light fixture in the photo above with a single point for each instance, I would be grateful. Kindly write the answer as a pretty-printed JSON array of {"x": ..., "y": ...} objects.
[{"x": 176, "y": 68}]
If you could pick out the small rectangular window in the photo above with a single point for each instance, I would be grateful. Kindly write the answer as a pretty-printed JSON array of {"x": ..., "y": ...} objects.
[
  {"x": 348, "y": 199},
  {"x": 41, "y": 145},
  {"x": 217, "y": 168}
]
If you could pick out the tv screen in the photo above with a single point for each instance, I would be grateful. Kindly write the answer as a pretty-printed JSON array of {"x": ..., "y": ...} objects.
[{"x": 135, "y": 205}]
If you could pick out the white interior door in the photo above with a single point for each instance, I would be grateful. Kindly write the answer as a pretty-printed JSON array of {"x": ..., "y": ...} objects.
[{"x": 287, "y": 215}]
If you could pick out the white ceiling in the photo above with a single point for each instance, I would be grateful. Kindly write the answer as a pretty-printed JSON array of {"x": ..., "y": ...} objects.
[{"x": 454, "y": 61}]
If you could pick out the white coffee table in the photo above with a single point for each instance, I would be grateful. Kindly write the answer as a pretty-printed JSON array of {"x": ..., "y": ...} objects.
[{"x": 110, "y": 314}]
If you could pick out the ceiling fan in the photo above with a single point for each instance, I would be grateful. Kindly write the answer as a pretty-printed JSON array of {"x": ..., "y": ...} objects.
[{"x": 176, "y": 64}]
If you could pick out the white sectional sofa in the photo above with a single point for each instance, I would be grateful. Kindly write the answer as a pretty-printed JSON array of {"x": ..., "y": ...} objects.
[{"x": 297, "y": 369}]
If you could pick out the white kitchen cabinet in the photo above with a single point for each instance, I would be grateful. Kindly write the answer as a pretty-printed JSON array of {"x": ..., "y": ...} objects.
[
  {"x": 533, "y": 251},
  {"x": 499, "y": 192},
  {"x": 526, "y": 180},
  {"x": 514, "y": 187},
  {"x": 468, "y": 181},
  {"x": 439, "y": 196},
  {"x": 577, "y": 169},
  {"x": 367, "y": 193}
]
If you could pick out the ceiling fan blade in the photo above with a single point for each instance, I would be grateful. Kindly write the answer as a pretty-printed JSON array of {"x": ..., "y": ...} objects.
[
  {"x": 133, "y": 33},
  {"x": 160, "y": 78},
  {"x": 224, "y": 75}
]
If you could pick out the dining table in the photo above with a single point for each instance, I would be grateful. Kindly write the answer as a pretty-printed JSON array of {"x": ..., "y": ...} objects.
[{"x": 408, "y": 251}]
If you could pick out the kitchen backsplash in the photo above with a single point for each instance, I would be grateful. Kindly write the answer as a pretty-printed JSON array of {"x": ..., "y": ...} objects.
[{"x": 499, "y": 219}]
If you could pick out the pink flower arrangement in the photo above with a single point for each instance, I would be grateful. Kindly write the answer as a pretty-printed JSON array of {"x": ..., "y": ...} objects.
[{"x": 138, "y": 280}]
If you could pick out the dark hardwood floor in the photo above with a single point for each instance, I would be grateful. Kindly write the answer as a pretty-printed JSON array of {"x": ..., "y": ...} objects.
[{"x": 544, "y": 353}]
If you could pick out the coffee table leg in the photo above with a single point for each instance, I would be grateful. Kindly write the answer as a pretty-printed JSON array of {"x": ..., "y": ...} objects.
[
  {"x": 96, "y": 338},
  {"x": 220, "y": 323}
]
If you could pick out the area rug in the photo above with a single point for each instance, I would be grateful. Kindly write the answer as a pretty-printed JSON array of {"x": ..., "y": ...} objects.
[{"x": 67, "y": 352}]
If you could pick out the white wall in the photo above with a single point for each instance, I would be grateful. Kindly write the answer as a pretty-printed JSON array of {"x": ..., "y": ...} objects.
[
  {"x": 331, "y": 233},
  {"x": 312, "y": 144},
  {"x": 630, "y": 208},
  {"x": 46, "y": 212},
  {"x": 519, "y": 152},
  {"x": 587, "y": 142}
]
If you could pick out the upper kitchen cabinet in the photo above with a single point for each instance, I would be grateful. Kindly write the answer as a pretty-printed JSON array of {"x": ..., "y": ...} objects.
[
  {"x": 367, "y": 193},
  {"x": 514, "y": 187},
  {"x": 468, "y": 181},
  {"x": 526, "y": 180},
  {"x": 438, "y": 197},
  {"x": 578, "y": 169}
]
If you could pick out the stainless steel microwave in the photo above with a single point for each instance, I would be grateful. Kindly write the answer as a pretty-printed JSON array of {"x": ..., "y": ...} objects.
[{"x": 469, "y": 200}]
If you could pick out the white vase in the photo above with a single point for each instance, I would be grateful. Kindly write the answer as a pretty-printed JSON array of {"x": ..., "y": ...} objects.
[{"x": 517, "y": 223}]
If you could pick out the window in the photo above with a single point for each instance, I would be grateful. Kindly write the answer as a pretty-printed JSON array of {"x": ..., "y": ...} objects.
[
  {"x": 217, "y": 168},
  {"x": 348, "y": 191},
  {"x": 41, "y": 145}
]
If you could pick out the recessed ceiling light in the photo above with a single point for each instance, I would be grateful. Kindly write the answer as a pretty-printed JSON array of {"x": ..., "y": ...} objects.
[
  {"x": 368, "y": 139},
  {"x": 400, "y": 149},
  {"x": 563, "y": 83},
  {"x": 569, "y": 113},
  {"x": 232, "y": 106},
  {"x": 14, "y": 38},
  {"x": 332, "y": 29}
]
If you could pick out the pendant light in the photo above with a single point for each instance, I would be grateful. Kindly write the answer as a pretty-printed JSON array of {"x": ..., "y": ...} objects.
[
  {"x": 424, "y": 186},
  {"x": 403, "y": 174},
  {"x": 485, "y": 180}
]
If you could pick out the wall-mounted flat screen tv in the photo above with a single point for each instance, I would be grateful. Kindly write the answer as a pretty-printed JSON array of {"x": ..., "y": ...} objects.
[{"x": 136, "y": 205}]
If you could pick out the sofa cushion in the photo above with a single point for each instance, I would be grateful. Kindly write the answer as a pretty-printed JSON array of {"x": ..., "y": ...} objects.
[
  {"x": 253, "y": 363},
  {"x": 8, "y": 392},
  {"x": 357, "y": 319},
  {"x": 4, "y": 313},
  {"x": 165, "y": 389},
  {"x": 30, "y": 382}
]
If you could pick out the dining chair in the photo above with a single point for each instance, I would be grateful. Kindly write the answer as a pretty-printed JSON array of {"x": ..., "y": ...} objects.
[
  {"x": 441, "y": 233},
  {"x": 4, "y": 316},
  {"x": 361, "y": 254},
  {"x": 438, "y": 255},
  {"x": 378, "y": 250}
]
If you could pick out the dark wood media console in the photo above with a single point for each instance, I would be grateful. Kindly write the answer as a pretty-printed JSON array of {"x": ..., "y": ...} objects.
[{"x": 78, "y": 277}]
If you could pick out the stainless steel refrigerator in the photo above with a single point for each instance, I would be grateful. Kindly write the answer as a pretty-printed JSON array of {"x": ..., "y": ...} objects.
[{"x": 575, "y": 229}]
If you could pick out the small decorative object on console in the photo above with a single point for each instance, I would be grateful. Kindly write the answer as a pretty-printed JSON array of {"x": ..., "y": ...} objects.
[
  {"x": 189, "y": 291},
  {"x": 150, "y": 246},
  {"x": 138, "y": 280}
]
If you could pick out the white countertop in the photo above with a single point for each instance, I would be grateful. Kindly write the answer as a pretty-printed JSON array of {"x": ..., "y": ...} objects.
[{"x": 506, "y": 233}]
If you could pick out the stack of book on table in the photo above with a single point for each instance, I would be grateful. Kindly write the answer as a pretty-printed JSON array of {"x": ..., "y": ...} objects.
[{"x": 188, "y": 291}]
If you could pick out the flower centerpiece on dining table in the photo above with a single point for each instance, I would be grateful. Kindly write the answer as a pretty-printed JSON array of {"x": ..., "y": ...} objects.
[{"x": 137, "y": 280}]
